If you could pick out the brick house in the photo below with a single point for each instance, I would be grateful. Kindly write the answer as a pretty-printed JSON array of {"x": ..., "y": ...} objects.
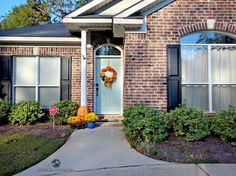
[{"x": 163, "y": 51}]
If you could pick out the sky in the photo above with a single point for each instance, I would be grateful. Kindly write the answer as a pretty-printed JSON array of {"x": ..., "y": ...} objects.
[{"x": 6, "y": 5}]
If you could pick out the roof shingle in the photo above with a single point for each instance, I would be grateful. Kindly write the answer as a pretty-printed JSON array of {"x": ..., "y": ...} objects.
[{"x": 49, "y": 30}]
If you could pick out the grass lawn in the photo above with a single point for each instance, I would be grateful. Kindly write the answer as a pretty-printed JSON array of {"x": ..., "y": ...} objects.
[{"x": 19, "y": 151}]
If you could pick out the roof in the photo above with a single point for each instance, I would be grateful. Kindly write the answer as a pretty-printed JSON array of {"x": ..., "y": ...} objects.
[
  {"x": 117, "y": 15},
  {"x": 49, "y": 30},
  {"x": 117, "y": 8}
]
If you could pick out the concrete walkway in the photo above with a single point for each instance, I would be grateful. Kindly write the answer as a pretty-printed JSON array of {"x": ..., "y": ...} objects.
[{"x": 104, "y": 151}]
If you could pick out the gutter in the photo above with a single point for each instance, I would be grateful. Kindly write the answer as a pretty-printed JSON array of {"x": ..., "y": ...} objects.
[{"x": 9, "y": 39}]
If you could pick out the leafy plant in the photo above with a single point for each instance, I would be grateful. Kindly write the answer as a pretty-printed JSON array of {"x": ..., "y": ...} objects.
[
  {"x": 75, "y": 120},
  {"x": 190, "y": 122},
  {"x": 151, "y": 149},
  {"x": 2, "y": 93},
  {"x": 26, "y": 112},
  {"x": 144, "y": 124},
  {"x": 66, "y": 108},
  {"x": 91, "y": 117},
  {"x": 28, "y": 14},
  {"x": 224, "y": 124},
  {"x": 5, "y": 109}
]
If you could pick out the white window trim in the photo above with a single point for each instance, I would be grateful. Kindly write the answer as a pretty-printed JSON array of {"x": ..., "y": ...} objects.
[
  {"x": 36, "y": 85},
  {"x": 108, "y": 56},
  {"x": 37, "y": 78},
  {"x": 209, "y": 83}
]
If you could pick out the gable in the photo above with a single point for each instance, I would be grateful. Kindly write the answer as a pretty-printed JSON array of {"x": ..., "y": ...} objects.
[{"x": 117, "y": 15}]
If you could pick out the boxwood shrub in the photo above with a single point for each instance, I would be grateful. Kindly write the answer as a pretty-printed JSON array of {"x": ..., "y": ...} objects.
[
  {"x": 66, "y": 108},
  {"x": 5, "y": 109},
  {"x": 190, "y": 123},
  {"x": 26, "y": 112},
  {"x": 223, "y": 124},
  {"x": 145, "y": 125}
]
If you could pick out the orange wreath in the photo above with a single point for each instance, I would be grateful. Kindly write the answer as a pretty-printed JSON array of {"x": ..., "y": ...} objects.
[{"x": 108, "y": 75}]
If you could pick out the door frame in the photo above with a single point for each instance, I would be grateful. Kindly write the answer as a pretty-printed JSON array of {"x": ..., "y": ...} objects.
[{"x": 94, "y": 76}]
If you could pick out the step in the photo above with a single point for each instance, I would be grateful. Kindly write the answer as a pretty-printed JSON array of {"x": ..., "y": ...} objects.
[{"x": 108, "y": 124}]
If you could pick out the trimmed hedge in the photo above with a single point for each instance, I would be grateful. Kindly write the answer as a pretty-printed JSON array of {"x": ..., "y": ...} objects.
[
  {"x": 66, "y": 108},
  {"x": 144, "y": 124},
  {"x": 190, "y": 123},
  {"x": 26, "y": 112},
  {"x": 223, "y": 124},
  {"x": 5, "y": 109}
]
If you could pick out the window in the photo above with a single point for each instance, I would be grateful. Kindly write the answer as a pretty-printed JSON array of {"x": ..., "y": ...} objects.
[
  {"x": 208, "y": 70},
  {"x": 108, "y": 50},
  {"x": 37, "y": 78}
]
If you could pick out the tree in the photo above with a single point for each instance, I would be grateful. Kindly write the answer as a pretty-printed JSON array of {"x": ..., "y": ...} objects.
[
  {"x": 37, "y": 12},
  {"x": 26, "y": 15},
  {"x": 60, "y": 8}
]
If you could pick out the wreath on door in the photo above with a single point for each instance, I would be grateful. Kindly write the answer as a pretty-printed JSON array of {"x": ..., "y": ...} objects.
[{"x": 108, "y": 75}]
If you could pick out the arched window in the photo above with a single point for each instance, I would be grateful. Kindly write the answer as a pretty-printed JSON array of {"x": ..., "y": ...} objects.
[
  {"x": 108, "y": 50},
  {"x": 208, "y": 37},
  {"x": 208, "y": 70}
]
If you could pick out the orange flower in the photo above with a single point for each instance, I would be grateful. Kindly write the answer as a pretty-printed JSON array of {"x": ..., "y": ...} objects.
[{"x": 107, "y": 79}]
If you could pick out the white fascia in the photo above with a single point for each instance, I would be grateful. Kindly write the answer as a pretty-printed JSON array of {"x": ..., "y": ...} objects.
[
  {"x": 143, "y": 28},
  {"x": 87, "y": 20},
  {"x": 124, "y": 21},
  {"x": 84, "y": 8},
  {"x": 135, "y": 8},
  {"x": 39, "y": 39}
]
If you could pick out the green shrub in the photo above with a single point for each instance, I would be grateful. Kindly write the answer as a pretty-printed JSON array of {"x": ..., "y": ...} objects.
[
  {"x": 26, "y": 112},
  {"x": 66, "y": 108},
  {"x": 223, "y": 124},
  {"x": 144, "y": 124},
  {"x": 5, "y": 109},
  {"x": 190, "y": 122},
  {"x": 2, "y": 93}
]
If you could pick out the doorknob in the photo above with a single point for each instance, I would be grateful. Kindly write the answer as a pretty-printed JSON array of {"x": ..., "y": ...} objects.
[{"x": 97, "y": 91}]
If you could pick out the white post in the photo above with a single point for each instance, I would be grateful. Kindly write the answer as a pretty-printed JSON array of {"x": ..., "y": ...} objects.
[
  {"x": 83, "y": 67},
  {"x": 209, "y": 79}
]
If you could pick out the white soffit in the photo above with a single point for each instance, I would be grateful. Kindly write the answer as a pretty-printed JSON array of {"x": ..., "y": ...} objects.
[
  {"x": 86, "y": 8},
  {"x": 135, "y": 8},
  {"x": 117, "y": 14},
  {"x": 87, "y": 20},
  {"x": 119, "y": 7}
]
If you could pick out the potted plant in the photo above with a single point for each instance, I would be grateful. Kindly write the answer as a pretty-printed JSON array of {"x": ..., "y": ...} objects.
[
  {"x": 90, "y": 119},
  {"x": 76, "y": 121}
]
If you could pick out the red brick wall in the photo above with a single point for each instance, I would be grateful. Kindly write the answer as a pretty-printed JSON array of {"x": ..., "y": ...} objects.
[
  {"x": 61, "y": 51},
  {"x": 145, "y": 54}
]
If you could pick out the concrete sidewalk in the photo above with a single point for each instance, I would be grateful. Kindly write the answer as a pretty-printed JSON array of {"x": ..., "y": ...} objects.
[{"x": 105, "y": 151}]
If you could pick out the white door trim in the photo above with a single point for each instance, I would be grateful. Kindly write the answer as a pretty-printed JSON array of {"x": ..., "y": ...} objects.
[{"x": 94, "y": 75}]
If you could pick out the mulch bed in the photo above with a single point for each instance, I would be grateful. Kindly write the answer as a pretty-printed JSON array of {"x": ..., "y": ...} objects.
[
  {"x": 207, "y": 150},
  {"x": 38, "y": 129}
]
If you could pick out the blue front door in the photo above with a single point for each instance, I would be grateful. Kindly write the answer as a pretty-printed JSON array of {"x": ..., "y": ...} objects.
[{"x": 108, "y": 99}]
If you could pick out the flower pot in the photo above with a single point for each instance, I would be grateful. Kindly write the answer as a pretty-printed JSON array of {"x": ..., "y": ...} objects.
[{"x": 91, "y": 125}]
